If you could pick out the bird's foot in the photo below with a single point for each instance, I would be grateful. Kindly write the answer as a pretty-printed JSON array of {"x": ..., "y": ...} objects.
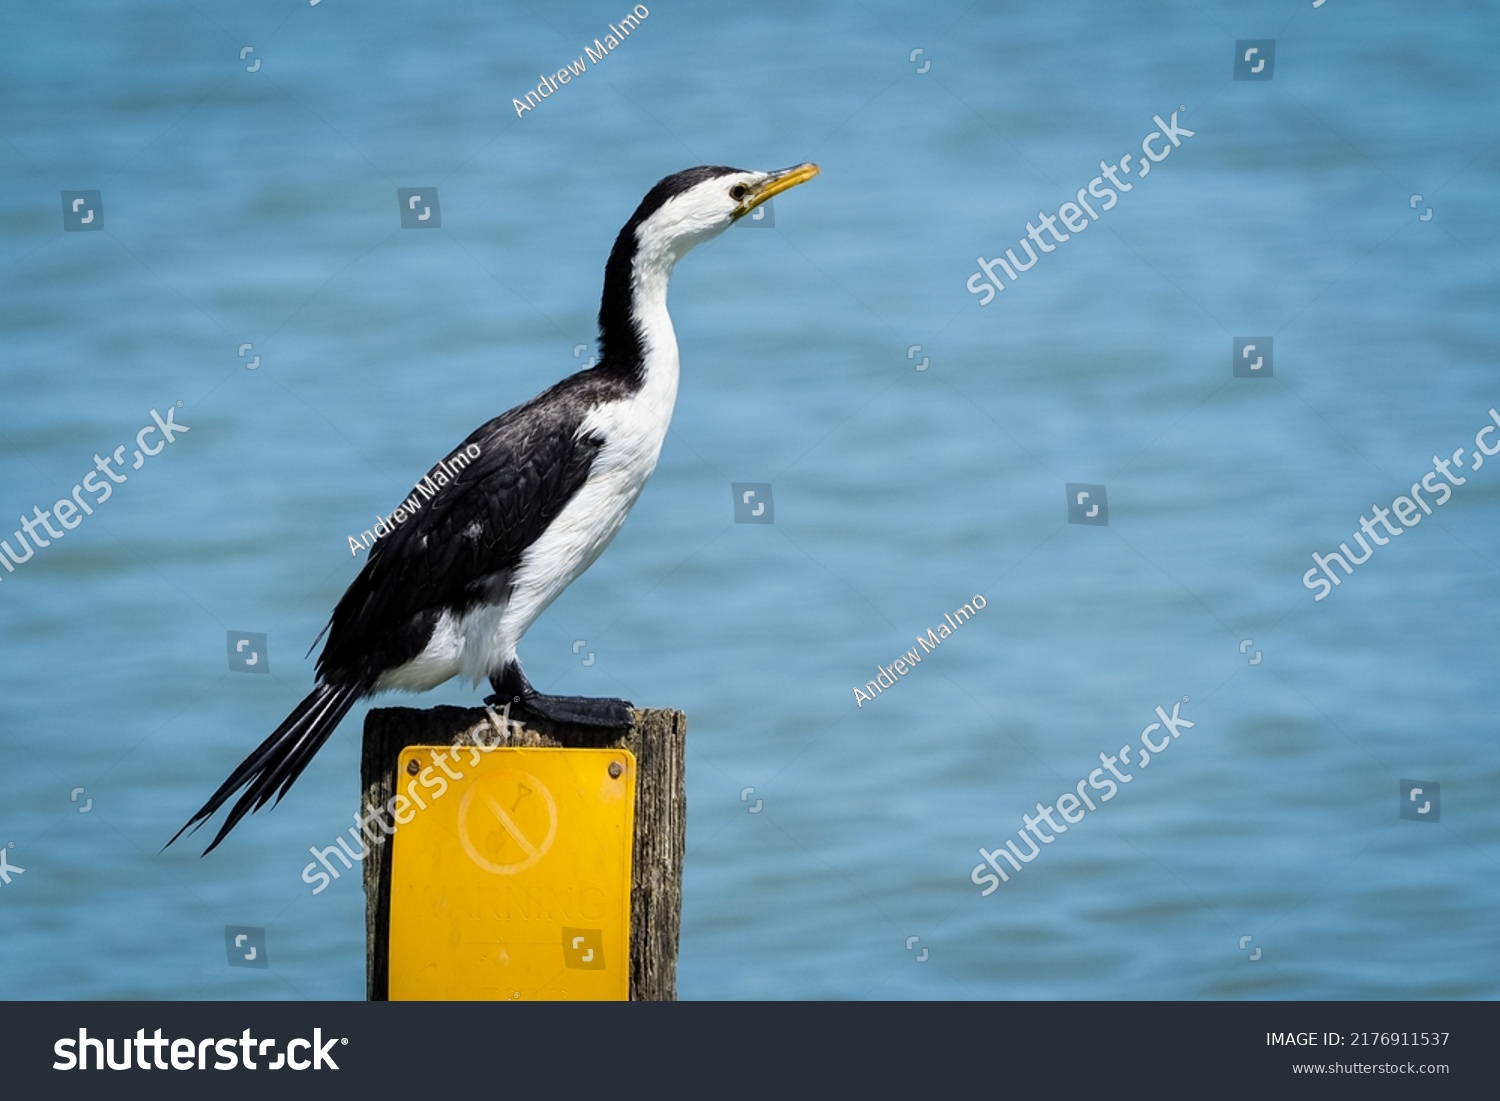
[
  {"x": 513, "y": 689},
  {"x": 608, "y": 714}
]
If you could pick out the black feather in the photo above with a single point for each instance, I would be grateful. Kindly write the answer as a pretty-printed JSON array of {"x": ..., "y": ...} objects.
[
  {"x": 463, "y": 545},
  {"x": 279, "y": 759}
]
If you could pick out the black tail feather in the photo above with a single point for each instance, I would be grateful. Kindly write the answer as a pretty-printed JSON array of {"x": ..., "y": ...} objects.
[{"x": 269, "y": 771}]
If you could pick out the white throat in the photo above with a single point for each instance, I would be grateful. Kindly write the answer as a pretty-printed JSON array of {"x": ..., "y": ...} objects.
[{"x": 648, "y": 309}]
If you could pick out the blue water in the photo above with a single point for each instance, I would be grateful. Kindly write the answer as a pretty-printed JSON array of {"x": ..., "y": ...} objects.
[{"x": 259, "y": 208}]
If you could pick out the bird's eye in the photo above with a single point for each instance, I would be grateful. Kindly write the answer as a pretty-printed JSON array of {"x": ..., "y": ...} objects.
[{"x": 738, "y": 192}]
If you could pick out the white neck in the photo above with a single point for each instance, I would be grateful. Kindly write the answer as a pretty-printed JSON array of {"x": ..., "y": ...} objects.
[{"x": 648, "y": 307}]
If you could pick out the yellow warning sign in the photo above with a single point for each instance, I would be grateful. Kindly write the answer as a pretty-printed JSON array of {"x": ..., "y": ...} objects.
[{"x": 514, "y": 883}]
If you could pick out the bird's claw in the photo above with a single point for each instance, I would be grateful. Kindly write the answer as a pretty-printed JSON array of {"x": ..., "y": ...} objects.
[{"x": 608, "y": 714}]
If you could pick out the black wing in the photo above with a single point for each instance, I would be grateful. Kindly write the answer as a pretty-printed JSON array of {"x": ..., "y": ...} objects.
[{"x": 462, "y": 546}]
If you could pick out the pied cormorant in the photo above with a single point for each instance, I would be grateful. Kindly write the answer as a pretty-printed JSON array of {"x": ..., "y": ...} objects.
[{"x": 450, "y": 591}]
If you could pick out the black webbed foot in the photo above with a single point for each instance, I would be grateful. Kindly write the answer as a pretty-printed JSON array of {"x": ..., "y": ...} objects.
[{"x": 512, "y": 688}]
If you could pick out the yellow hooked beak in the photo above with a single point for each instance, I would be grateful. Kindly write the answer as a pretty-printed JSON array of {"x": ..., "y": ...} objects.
[{"x": 775, "y": 184}]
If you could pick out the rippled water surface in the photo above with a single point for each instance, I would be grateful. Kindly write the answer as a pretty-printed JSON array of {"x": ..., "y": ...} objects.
[{"x": 918, "y": 446}]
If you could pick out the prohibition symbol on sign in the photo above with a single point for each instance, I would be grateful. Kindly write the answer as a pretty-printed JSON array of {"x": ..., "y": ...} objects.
[{"x": 507, "y": 821}]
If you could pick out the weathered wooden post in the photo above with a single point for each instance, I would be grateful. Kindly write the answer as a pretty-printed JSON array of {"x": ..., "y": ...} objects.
[{"x": 656, "y": 739}]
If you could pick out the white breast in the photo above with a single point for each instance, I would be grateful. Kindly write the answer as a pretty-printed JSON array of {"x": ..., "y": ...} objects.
[
  {"x": 632, "y": 431},
  {"x": 483, "y": 640}
]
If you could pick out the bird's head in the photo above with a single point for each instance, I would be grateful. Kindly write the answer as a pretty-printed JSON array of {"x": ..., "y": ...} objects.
[
  {"x": 681, "y": 211},
  {"x": 698, "y": 204}
]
